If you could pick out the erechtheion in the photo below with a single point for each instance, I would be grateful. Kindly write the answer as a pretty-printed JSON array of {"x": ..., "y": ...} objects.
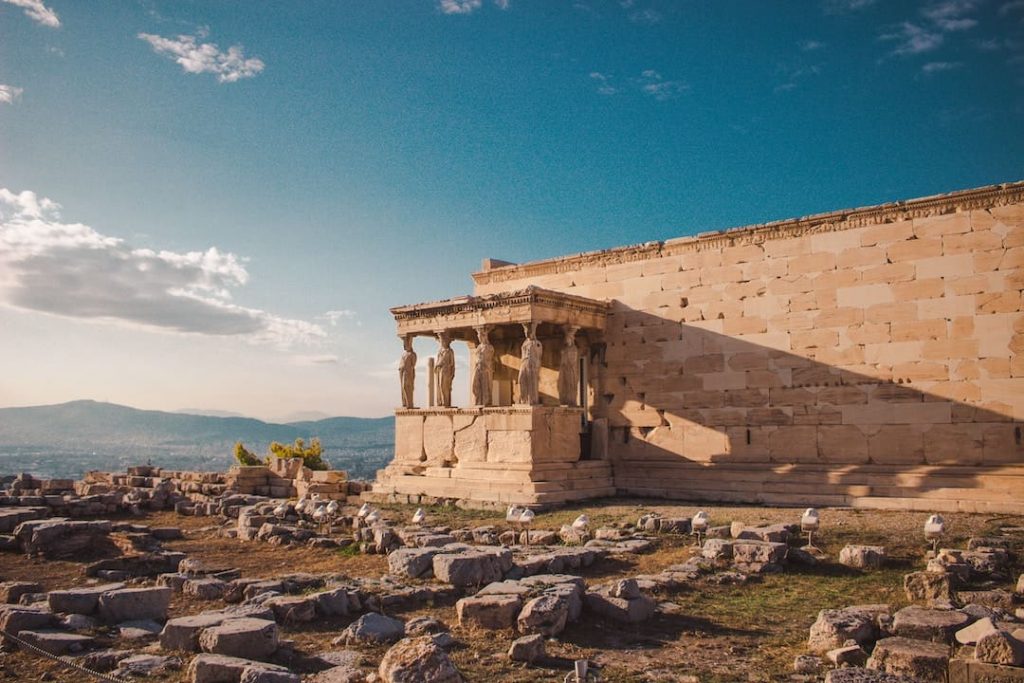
[{"x": 869, "y": 357}]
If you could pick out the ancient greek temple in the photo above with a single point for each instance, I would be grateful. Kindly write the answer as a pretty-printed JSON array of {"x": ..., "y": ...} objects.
[
  {"x": 526, "y": 438},
  {"x": 870, "y": 357}
]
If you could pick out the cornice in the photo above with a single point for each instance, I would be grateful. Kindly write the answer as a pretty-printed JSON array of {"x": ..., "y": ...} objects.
[
  {"x": 833, "y": 221},
  {"x": 523, "y": 297}
]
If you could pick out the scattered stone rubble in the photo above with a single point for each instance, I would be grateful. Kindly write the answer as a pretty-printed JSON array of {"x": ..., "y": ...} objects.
[
  {"x": 960, "y": 630},
  {"x": 517, "y": 581}
]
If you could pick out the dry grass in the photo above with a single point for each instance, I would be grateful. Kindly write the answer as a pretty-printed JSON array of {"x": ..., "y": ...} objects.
[{"x": 720, "y": 633}]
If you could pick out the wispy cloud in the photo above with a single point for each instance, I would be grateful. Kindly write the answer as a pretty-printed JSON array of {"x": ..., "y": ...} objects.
[
  {"x": 912, "y": 39},
  {"x": 1012, "y": 6},
  {"x": 325, "y": 359},
  {"x": 938, "y": 67},
  {"x": 647, "y": 17},
  {"x": 72, "y": 270},
  {"x": 843, "y": 6},
  {"x": 197, "y": 58},
  {"x": 604, "y": 83},
  {"x": 654, "y": 85},
  {"x": 794, "y": 76},
  {"x": 811, "y": 45},
  {"x": 37, "y": 12},
  {"x": 8, "y": 93},
  {"x": 950, "y": 15},
  {"x": 459, "y": 6},
  {"x": 334, "y": 317}
]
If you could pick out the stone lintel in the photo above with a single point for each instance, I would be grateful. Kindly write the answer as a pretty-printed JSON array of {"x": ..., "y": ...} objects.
[{"x": 530, "y": 305}]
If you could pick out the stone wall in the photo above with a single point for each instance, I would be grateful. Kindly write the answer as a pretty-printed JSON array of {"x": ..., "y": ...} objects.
[{"x": 868, "y": 357}]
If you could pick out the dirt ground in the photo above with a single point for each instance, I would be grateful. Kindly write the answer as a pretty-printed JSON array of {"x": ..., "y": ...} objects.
[{"x": 747, "y": 632}]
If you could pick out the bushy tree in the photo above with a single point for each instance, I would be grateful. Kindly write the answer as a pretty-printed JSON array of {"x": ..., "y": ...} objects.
[
  {"x": 245, "y": 457},
  {"x": 312, "y": 455}
]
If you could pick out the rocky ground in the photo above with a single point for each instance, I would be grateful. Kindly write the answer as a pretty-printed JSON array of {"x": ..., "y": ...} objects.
[{"x": 738, "y": 609}]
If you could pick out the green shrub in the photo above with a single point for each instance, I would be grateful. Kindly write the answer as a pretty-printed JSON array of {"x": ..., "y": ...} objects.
[
  {"x": 312, "y": 455},
  {"x": 245, "y": 457}
]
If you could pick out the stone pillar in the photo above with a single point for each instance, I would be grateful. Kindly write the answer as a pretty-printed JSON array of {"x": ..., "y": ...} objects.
[
  {"x": 483, "y": 368},
  {"x": 529, "y": 367},
  {"x": 430, "y": 387},
  {"x": 569, "y": 370},
  {"x": 444, "y": 368},
  {"x": 407, "y": 372}
]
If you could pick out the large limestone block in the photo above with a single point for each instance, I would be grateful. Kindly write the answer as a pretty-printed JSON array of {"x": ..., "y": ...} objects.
[
  {"x": 414, "y": 563},
  {"x": 489, "y": 611},
  {"x": 418, "y": 660},
  {"x": 625, "y": 610},
  {"x": 373, "y": 628},
  {"x": 834, "y": 627},
  {"x": 1000, "y": 647},
  {"x": 918, "y": 659},
  {"x": 470, "y": 438},
  {"x": 923, "y": 623},
  {"x": 409, "y": 438},
  {"x": 509, "y": 447},
  {"x": 246, "y": 638},
  {"x": 438, "y": 438},
  {"x": 131, "y": 604},
  {"x": 216, "y": 668},
  {"x": 182, "y": 633},
  {"x": 862, "y": 556},
  {"x": 545, "y": 615},
  {"x": 79, "y": 600}
]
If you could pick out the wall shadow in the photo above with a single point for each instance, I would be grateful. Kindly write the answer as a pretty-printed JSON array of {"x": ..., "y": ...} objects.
[{"x": 730, "y": 417}]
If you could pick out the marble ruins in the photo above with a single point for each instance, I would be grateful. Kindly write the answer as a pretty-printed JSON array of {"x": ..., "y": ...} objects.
[{"x": 869, "y": 357}]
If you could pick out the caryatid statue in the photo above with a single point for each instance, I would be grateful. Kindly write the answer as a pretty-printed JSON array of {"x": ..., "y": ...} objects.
[
  {"x": 407, "y": 372},
  {"x": 569, "y": 370},
  {"x": 444, "y": 368},
  {"x": 529, "y": 367},
  {"x": 483, "y": 370}
]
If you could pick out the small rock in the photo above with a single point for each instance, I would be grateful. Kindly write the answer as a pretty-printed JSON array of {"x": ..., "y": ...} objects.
[
  {"x": 418, "y": 660},
  {"x": 807, "y": 664},
  {"x": 527, "y": 649},
  {"x": 999, "y": 647},
  {"x": 862, "y": 556},
  {"x": 372, "y": 628},
  {"x": 971, "y": 634}
]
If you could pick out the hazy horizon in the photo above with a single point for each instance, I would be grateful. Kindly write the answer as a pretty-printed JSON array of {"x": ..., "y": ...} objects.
[{"x": 214, "y": 204}]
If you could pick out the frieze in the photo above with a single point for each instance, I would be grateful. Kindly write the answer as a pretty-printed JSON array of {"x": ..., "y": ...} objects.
[
  {"x": 834, "y": 221},
  {"x": 454, "y": 308}
]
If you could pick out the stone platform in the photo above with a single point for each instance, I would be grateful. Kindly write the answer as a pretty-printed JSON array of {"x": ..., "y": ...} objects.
[{"x": 495, "y": 456}]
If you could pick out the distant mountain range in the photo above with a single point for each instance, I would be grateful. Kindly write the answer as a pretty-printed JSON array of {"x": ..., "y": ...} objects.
[{"x": 71, "y": 438}]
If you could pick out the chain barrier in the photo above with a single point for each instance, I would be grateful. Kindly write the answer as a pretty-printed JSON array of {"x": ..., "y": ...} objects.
[{"x": 65, "y": 661}]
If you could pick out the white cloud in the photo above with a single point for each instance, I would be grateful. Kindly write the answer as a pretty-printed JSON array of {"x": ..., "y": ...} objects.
[
  {"x": 949, "y": 15},
  {"x": 1012, "y": 6},
  {"x": 334, "y": 317},
  {"x": 8, "y": 93},
  {"x": 197, "y": 58},
  {"x": 647, "y": 17},
  {"x": 37, "y": 11},
  {"x": 604, "y": 86},
  {"x": 936, "y": 67},
  {"x": 842, "y": 6},
  {"x": 326, "y": 359},
  {"x": 793, "y": 76},
  {"x": 502, "y": 4},
  {"x": 811, "y": 45},
  {"x": 652, "y": 84},
  {"x": 459, "y": 6},
  {"x": 913, "y": 39},
  {"x": 72, "y": 270}
]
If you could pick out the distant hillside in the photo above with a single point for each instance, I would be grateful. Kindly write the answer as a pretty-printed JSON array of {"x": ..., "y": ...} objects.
[{"x": 71, "y": 438}]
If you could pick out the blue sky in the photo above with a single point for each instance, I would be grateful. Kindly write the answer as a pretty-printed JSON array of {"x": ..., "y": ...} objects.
[{"x": 245, "y": 188}]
